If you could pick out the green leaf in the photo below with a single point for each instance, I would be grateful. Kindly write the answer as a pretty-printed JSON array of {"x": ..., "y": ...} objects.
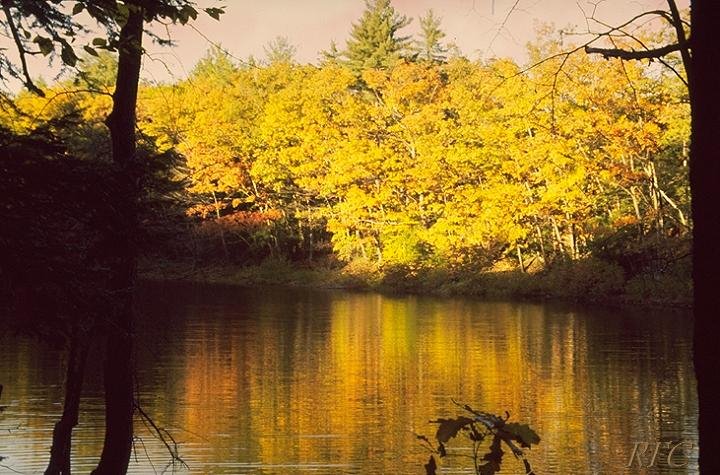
[
  {"x": 522, "y": 433},
  {"x": 78, "y": 8},
  {"x": 215, "y": 12},
  {"x": 191, "y": 12},
  {"x": 68, "y": 55},
  {"x": 90, "y": 50},
  {"x": 122, "y": 14},
  {"x": 185, "y": 14},
  {"x": 101, "y": 42},
  {"x": 45, "y": 44},
  {"x": 450, "y": 427}
]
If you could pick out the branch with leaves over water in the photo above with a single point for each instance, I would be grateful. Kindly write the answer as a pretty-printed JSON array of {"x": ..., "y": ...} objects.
[{"x": 480, "y": 427}]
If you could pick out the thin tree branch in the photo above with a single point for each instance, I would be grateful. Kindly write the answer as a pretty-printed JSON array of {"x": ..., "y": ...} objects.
[
  {"x": 627, "y": 78},
  {"x": 682, "y": 40},
  {"x": 65, "y": 93},
  {"x": 163, "y": 435},
  {"x": 21, "y": 49},
  {"x": 625, "y": 34},
  {"x": 587, "y": 44},
  {"x": 656, "y": 53},
  {"x": 502, "y": 25},
  {"x": 220, "y": 47}
]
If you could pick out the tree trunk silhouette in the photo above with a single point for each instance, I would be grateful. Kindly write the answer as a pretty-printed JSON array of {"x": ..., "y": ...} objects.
[
  {"x": 704, "y": 177},
  {"x": 62, "y": 433},
  {"x": 118, "y": 370}
]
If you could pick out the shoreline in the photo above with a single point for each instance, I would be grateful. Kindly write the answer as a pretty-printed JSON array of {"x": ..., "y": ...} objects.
[{"x": 568, "y": 285}]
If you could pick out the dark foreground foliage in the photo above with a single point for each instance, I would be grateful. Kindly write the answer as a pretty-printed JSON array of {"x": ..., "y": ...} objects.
[{"x": 488, "y": 434}]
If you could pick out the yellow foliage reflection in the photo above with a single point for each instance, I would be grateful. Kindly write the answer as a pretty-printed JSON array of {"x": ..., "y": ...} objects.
[{"x": 346, "y": 383}]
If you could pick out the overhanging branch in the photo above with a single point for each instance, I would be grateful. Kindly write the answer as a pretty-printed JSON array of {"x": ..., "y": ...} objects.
[
  {"x": 21, "y": 49},
  {"x": 628, "y": 55}
]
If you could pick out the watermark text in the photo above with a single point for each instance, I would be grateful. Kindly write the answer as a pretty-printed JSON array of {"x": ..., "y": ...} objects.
[{"x": 654, "y": 454}]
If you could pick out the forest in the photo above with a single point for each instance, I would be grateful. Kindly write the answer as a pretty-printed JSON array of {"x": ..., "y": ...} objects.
[
  {"x": 394, "y": 163},
  {"x": 408, "y": 166}
]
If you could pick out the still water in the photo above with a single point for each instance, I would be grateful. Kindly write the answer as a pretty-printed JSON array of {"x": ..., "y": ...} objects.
[{"x": 277, "y": 381}]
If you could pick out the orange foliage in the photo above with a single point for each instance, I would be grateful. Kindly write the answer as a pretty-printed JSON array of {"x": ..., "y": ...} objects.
[{"x": 242, "y": 221}]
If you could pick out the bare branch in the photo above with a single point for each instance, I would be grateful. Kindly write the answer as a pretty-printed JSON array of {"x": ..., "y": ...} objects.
[
  {"x": 218, "y": 46},
  {"x": 597, "y": 36},
  {"x": 503, "y": 24},
  {"x": 625, "y": 34},
  {"x": 661, "y": 13},
  {"x": 682, "y": 40},
  {"x": 656, "y": 53},
  {"x": 65, "y": 93},
  {"x": 672, "y": 17},
  {"x": 163, "y": 435},
  {"x": 627, "y": 78}
]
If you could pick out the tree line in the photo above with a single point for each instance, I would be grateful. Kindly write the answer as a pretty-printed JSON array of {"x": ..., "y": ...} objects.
[
  {"x": 390, "y": 151},
  {"x": 395, "y": 152}
]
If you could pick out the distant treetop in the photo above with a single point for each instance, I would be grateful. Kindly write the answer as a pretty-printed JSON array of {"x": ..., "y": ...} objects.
[{"x": 374, "y": 40}]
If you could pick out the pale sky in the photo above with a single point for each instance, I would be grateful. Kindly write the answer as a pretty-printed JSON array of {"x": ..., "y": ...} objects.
[
  {"x": 310, "y": 25},
  {"x": 478, "y": 27}
]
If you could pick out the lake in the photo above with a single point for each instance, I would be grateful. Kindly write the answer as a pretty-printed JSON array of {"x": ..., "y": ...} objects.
[{"x": 273, "y": 380}]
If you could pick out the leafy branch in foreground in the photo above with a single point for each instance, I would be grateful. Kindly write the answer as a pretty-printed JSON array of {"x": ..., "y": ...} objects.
[{"x": 480, "y": 427}]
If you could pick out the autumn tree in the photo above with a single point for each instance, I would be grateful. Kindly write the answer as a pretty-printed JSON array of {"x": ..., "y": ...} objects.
[
  {"x": 700, "y": 57},
  {"x": 436, "y": 164}
]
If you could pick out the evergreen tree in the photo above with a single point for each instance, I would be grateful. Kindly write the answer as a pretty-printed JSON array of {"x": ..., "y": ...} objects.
[
  {"x": 330, "y": 55},
  {"x": 429, "y": 46},
  {"x": 374, "y": 40},
  {"x": 216, "y": 63},
  {"x": 280, "y": 50}
]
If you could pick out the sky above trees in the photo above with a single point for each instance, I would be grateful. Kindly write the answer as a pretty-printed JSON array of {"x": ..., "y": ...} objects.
[
  {"x": 480, "y": 28},
  {"x": 476, "y": 26}
]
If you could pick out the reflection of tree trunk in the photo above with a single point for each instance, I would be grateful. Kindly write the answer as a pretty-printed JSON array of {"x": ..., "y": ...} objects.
[
  {"x": 62, "y": 434},
  {"x": 704, "y": 176},
  {"x": 118, "y": 370}
]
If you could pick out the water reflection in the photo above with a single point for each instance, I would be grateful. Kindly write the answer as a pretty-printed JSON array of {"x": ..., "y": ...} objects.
[{"x": 280, "y": 381}]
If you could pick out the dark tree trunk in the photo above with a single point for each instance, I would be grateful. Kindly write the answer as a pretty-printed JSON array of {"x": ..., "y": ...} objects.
[
  {"x": 704, "y": 182},
  {"x": 118, "y": 371},
  {"x": 62, "y": 434}
]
